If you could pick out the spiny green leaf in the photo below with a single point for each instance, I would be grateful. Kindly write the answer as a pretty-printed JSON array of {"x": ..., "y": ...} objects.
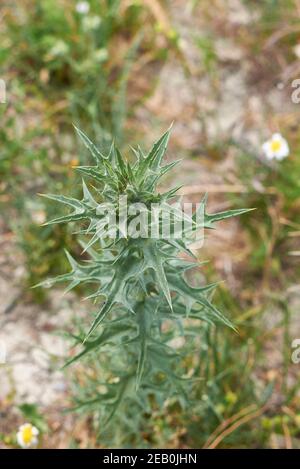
[
  {"x": 143, "y": 320},
  {"x": 157, "y": 152},
  {"x": 210, "y": 219},
  {"x": 154, "y": 261},
  {"x": 89, "y": 145},
  {"x": 111, "y": 331},
  {"x": 154, "y": 157},
  {"x": 70, "y": 201}
]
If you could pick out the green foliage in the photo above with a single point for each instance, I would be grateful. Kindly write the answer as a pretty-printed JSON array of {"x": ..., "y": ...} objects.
[
  {"x": 140, "y": 282},
  {"x": 65, "y": 66},
  {"x": 274, "y": 189},
  {"x": 81, "y": 63},
  {"x": 32, "y": 415}
]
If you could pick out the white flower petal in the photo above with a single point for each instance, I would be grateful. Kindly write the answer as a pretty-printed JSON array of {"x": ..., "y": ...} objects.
[
  {"x": 284, "y": 150},
  {"x": 268, "y": 150},
  {"x": 276, "y": 136},
  {"x": 20, "y": 440},
  {"x": 82, "y": 8},
  {"x": 297, "y": 50},
  {"x": 34, "y": 441},
  {"x": 35, "y": 431}
]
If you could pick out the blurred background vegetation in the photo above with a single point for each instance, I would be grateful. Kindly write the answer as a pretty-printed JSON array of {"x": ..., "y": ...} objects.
[{"x": 124, "y": 69}]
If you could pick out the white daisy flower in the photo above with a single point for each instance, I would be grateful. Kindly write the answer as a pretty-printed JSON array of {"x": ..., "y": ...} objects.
[
  {"x": 82, "y": 8},
  {"x": 276, "y": 148},
  {"x": 27, "y": 436}
]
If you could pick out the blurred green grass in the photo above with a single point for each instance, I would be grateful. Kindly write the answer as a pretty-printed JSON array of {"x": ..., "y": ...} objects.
[{"x": 63, "y": 67}]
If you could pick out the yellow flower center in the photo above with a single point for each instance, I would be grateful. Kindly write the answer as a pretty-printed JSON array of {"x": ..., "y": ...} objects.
[
  {"x": 27, "y": 434},
  {"x": 275, "y": 145}
]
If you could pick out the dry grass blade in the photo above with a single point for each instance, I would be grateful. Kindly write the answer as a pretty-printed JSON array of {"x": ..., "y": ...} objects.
[
  {"x": 250, "y": 415},
  {"x": 287, "y": 436},
  {"x": 227, "y": 422},
  {"x": 159, "y": 14}
]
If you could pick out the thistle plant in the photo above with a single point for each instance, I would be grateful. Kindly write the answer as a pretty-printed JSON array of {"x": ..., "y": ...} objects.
[{"x": 139, "y": 277}]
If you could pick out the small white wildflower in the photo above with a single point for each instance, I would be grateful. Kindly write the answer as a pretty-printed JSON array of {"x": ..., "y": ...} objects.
[
  {"x": 115, "y": 379},
  {"x": 100, "y": 55},
  {"x": 27, "y": 436},
  {"x": 276, "y": 148},
  {"x": 82, "y": 8},
  {"x": 91, "y": 22},
  {"x": 58, "y": 49}
]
